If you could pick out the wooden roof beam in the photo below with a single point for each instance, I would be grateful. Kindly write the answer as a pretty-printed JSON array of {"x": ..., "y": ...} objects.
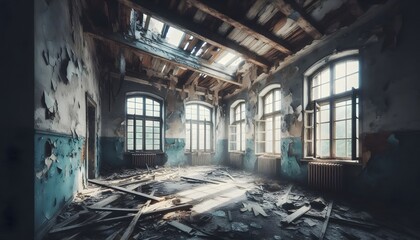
[
  {"x": 167, "y": 53},
  {"x": 303, "y": 20},
  {"x": 210, "y": 7},
  {"x": 196, "y": 30}
]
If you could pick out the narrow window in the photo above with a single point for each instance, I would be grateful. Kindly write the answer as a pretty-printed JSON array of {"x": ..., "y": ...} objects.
[
  {"x": 144, "y": 124},
  {"x": 199, "y": 128},
  {"x": 237, "y": 128},
  {"x": 268, "y": 129}
]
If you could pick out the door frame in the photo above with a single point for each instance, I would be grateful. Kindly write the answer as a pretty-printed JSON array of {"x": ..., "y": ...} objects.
[{"x": 90, "y": 103}]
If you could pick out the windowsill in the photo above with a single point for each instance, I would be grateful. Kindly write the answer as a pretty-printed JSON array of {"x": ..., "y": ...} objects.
[
  {"x": 193, "y": 152},
  {"x": 342, "y": 161},
  {"x": 237, "y": 152},
  {"x": 150, "y": 151},
  {"x": 268, "y": 155}
]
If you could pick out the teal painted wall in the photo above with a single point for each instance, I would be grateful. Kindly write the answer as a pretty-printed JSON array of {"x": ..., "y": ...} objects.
[
  {"x": 291, "y": 154},
  {"x": 174, "y": 151},
  {"x": 112, "y": 152},
  {"x": 60, "y": 181},
  {"x": 250, "y": 158}
]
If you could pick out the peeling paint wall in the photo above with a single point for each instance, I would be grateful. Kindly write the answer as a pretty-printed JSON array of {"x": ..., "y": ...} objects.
[
  {"x": 65, "y": 71},
  {"x": 390, "y": 91}
]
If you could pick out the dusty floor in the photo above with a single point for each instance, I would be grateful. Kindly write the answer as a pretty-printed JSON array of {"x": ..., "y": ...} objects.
[{"x": 232, "y": 204}]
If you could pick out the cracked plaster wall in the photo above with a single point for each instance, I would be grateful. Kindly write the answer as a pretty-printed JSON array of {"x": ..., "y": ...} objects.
[{"x": 65, "y": 70}]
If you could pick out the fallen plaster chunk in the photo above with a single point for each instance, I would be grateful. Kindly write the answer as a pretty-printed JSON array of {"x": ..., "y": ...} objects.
[
  {"x": 239, "y": 227},
  {"x": 49, "y": 102}
]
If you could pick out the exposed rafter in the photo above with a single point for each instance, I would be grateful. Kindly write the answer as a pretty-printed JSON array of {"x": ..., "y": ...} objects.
[
  {"x": 165, "y": 52},
  {"x": 196, "y": 30},
  {"x": 293, "y": 11},
  {"x": 211, "y": 8}
]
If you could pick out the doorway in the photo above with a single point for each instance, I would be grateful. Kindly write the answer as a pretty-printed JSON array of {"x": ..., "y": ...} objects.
[{"x": 90, "y": 163}]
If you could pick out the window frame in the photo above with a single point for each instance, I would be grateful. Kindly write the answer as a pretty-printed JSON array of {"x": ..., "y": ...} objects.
[
  {"x": 196, "y": 122},
  {"x": 310, "y": 119},
  {"x": 233, "y": 130},
  {"x": 261, "y": 124},
  {"x": 143, "y": 118}
]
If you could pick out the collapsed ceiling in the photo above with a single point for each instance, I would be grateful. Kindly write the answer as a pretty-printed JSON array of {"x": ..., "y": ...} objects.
[{"x": 207, "y": 46}]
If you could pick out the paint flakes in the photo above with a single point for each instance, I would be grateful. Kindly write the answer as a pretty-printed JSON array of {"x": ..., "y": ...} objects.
[
  {"x": 48, "y": 162},
  {"x": 49, "y": 102}
]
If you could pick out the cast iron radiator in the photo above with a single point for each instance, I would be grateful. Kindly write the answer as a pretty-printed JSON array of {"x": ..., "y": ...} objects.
[
  {"x": 235, "y": 160},
  {"x": 141, "y": 159},
  {"x": 267, "y": 165},
  {"x": 325, "y": 176},
  {"x": 201, "y": 159}
]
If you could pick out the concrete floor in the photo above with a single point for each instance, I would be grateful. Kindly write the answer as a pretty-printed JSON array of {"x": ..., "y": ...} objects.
[{"x": 231, "y": 192}]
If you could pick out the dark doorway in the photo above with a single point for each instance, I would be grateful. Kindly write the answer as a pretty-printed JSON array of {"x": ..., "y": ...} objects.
[{"x": 90, "y": 137}]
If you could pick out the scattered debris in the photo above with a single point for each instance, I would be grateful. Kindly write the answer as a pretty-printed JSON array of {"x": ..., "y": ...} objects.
[
  {"x": 292, "y": 217},
  {"x": 318, "y": 204},
  {"x": 255, "y": 225},
  {"x": 181, "y": 227},
  {"x": 219, "y": 213},
  {"x": 239, "y": 227},
  {"x": 309, "y": 222}
]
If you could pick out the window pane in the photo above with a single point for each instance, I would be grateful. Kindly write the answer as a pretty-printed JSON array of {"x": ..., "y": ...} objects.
[
  {"x": 340, "y": 70},
  {"x": 348, "y": 143},
  {"x": 325, "y": 130},
  {"x": 187, "y": 135},
  {"x": 340, "y": 129},
  {"x": 201, "y": 137},
  {"x": 277, "y": 147},
  {"x": 316, "y": 93},
  {"x": 324, "y": 148},
  {"x": 352, "y": 81},
  {"x": 208, "y": 136},
  {"x": 325, "y": 90},
  {"x": 340, "y": 113},
  {"x": 352, "y": 66},
  {"x": 139, "y": 144},
  {"x": 325, "y": 76},
  {"x": 194, "y": 137},
  {"x": 348, "y": 132},
  {"x": 340, "y": 85},
  {"x": 315, "y": 80},
  {"x": 243, "y": 137},
  {"x": 340, "y": 148}
]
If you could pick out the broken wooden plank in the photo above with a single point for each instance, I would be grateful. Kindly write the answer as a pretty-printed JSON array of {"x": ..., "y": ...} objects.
[
  {"x": 133, "y": 222},
  {"x": 284, "y": 198},
  {"x": 125, "y": 190},
  {"x": 70, "y": 219},
  {"x": 91, "y": 224},
  {"x": 258, "y": 210},
  {"x": 229, "y": 216},
  {"x": 297, "y": 214},
  {"x": 106, "y": 201},
  {"x": 354, "y": 223},
  {"x": 200, "y": 180},
  {"x": 122, "y": 184},
  {"x": 180, "y": 226},
  {"x": 115, "y": 234},
  {"x": 327, "y": 218},
  {"x": 148, "y": 213}
]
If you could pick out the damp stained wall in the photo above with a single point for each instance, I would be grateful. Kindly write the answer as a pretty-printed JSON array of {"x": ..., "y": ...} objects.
[
  {"x": 113, "y": 153},
  {"x": 390, "y": 93},
  {"x": 65, "y": 72}
]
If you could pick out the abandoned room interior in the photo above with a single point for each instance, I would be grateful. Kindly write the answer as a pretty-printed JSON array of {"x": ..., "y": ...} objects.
[{"x": 236, "y": 119}]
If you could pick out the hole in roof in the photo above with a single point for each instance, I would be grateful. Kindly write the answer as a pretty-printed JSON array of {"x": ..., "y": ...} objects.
[
  {"x": 236, "y": 62},
  {"x": 227, "y": 58},
  {"x": 155, "y": 25},
  {"x": 174, "y": 36}
]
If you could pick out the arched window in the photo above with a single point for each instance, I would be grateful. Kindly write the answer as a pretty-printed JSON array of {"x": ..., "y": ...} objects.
[
  {"x": 268, "y": 131},
  {"x": 237, "y": 127},
  {"x": 144, "y": 123},
  {"x": 332, "y": 118},
  {"x": 199, "y": 127}
]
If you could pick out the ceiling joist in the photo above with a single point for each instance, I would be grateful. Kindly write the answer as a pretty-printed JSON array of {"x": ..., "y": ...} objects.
[
  {"x": 167, "y": 53},
  {"x": 303, "y": 20},
  {"x": 197, "y": 30},
  {"x": 210, "y": 7}
]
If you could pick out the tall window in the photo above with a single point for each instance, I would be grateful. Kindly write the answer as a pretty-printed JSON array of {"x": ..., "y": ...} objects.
[
  {"x": 199, "y": 128},
  {"x": 237, "y": 128},
  {"x": 144, "y": 124},
  {"x": 332, "y": 125},
  {"x": 268, "y": 132}
]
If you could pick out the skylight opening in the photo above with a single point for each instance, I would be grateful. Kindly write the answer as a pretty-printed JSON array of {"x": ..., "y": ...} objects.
[
  {"x": 174, "y": 36},
  {"x": 227, "y": 58},
  {"x": 236, "y": 62},
  {"x": 155, "y": 25}
]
